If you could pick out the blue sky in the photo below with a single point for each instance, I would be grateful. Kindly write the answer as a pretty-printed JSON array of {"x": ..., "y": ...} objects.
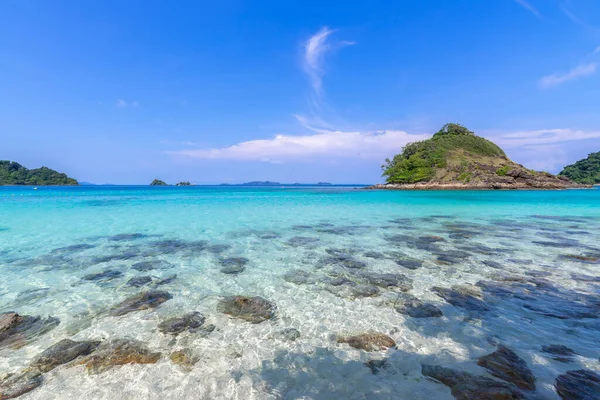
[{"x": 128, "y": 91}]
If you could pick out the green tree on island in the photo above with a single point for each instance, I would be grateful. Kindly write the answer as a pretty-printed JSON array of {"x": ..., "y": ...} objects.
[
  {"x": 158, "y": 182},
  {"x": 584, "y": 171}
]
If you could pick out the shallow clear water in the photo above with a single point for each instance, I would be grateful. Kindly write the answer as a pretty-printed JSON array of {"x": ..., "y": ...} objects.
[{"x": 534, "y": 292}]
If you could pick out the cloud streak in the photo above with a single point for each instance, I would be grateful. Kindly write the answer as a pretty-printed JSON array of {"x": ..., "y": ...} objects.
[
  {"x": 529, "y": 7},
  {"x": 543, "y": 137},
  {"x": 578, "y": 72},
  {"x": 365, "y": 145},
  {"x": 120, "y": 103},
  {"x": 315, "y": 50}
]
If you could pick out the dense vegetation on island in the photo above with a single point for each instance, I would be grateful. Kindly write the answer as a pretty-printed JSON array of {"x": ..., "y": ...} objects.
[
  {"x": 184, "y": 183},
  {"x": 456, "y": 156},
  {"x": 12, "y": 173},
  {"x": 158, "y": 182},
  {"x": 584, "y": 171}
]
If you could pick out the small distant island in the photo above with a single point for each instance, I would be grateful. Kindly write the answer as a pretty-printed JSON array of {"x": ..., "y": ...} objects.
[
  {"x": 455, "y": 158},
  {"x": 158, "y": 182},
  {"x": 585, "y": 171},
  {"x": 13, "y": 173},
  {"x": 270, "y": 183}
]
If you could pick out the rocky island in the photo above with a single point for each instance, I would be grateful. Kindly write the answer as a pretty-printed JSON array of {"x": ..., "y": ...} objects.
[
  {"x": 12, "y": 173},
  {"x": 455, "y": 158}
]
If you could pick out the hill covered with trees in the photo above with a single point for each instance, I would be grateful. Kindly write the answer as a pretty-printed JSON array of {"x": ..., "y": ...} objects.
[
  {"x": 584, "y": 171},
  {"x": 12, "y": 173}
]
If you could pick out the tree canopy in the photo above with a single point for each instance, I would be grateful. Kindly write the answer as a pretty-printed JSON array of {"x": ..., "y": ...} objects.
[
  {"x": 584, "y": 171},
  {"x": 158, "y": 182},
  {"x": 13, "y": 173}
]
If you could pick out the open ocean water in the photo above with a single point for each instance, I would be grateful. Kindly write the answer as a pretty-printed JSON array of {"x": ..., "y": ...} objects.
[{"x": 447, "y": 275}]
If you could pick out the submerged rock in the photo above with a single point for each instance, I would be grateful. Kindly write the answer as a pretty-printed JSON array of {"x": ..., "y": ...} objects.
[
  {"x": 492, "y": 264},
  {"x": 138, "y": 281},
  {"x": 106, "y": 275},
  {"x": 377, "y": 365},
  {"x": 252, "y": 309},
  {"x": 343, "y": 260},
  {"x": 119, "y": 352},
  {"x": 288, "y": 334},
  {"x": 465, "y": 386},
  {"x": 506, "y": 364},
  {"x": 410, "y": 305},
  {"x": 18, "y": 384},
  {"x": 581, "y": 384},
  {"x": 31, "y": 295},
  {"x": 398, "y": 281},
  {"x": 374, "y": 255},
  {"x": 298, "y": 241},
  {"x": 62, "y": 352},
  {"x": 461, "y": 297},
  {"x": 218, "y": 248},
  {"x": 184, "y": 358},
  {"x": 297, "y": 276},
  {"x": 410, "y": 263},
  {"x": 122, "y": 237},
  {"x": 559, "y": 352},
  {"x": 166, "y": 280},
  {"x": 144, "y": 266},
  {"x": 369, "y": 341},
  {"x": 141, "y": 301},
  {"x": 188, "y": 322},
  {"x": 17, "y": 330},
  {"x": 233, "y": 265}
]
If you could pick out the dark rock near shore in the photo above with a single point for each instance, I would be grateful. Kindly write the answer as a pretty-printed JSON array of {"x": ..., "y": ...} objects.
[
  {"x": 252, "y": 309},
  {"x": 506, "y": 364},
  {"x": 188, "y": 322},
  {"x": 377, "y": 365},
  {"x": 119, "y": 352},
  {"x": 104, "y": 276},
  {"x": 144, "y": 266},
  {"x": 218, "y": 248},
  {"x": 410, "y": 305},
  {"x": 184, "y": 358},
  {"x": 369, "y": 341},
  {"x": 559, "y": 352},
  {"x": 233, "y": 265},
  {"x": 581, "y": 384},
  {"x": 19, "y": 384},
  {"x": 397, "y": 281},
  {"x": 299, "y": 241},
  {"x": 465, "y": 386},
  {"x": 122, "y": 237},
  {"x": 288, "y": 334},
  {"x": 409, "y": 263},
  {"x": 461, "y": 297},
  {"x": 297, "y": 276},
  {"x": 166, "y": 281},
  {"x": 17, "y": 330},
  {"x": 62, "y": 352},
  {"x": 374, "y": 255},
  {"x": 141, "y": 301},
  {"x": 138, "y": 281}
]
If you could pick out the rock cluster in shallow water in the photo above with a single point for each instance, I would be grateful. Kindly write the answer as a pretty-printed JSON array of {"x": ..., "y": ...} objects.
[{"x": 252, "y": 309}]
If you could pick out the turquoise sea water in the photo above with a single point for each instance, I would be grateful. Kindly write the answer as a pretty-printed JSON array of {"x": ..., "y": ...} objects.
[{"x": 315, "y": 253}]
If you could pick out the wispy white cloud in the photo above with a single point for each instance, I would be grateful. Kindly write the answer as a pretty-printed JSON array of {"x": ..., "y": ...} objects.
[
  {"x": 315, "y": 50},
  {"x": 578, "y": 72},
  {"x": 122, "y": 103},
  {"x": 526, "y": 5},
  {"x": 374, "y": 145},
  {"x": 542, "y": 137}
]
